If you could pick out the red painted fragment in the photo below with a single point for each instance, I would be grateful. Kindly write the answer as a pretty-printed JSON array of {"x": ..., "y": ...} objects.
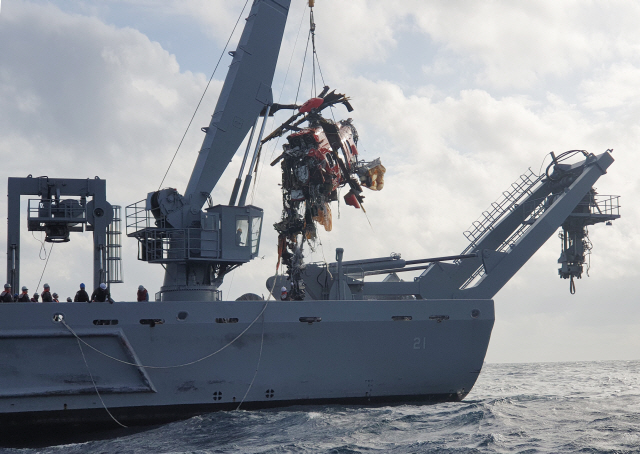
[
  {"x": 311, "y": 104},
  {"x": 350, "y": 199}
]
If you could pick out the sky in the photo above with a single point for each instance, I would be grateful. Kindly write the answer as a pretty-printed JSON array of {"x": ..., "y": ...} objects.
[{"x": 457, "y": 98}]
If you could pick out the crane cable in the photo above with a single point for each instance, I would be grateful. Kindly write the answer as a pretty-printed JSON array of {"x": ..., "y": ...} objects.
[
  {"x": 286, "y": 75},
  {"x": 311, "y": 37},
  {"x": 45, "y": 266},
  {"x": 202, "y": 97}
]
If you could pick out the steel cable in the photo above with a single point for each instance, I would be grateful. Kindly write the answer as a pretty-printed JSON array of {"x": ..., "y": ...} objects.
[{"x": 202, "y": 97}]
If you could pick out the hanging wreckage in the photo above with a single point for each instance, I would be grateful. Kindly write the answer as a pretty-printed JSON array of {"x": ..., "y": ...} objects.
[{"x": 317, "y": 161}]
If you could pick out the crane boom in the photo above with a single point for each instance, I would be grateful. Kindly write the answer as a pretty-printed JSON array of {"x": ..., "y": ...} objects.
[{"x": 246, "y": 91}]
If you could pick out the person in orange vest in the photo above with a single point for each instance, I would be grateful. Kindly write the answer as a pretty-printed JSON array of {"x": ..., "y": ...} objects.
[{"x": 143, "y": 295}]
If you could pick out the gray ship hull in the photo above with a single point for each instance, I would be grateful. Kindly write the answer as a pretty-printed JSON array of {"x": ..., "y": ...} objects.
[{"x": 308, "y": 352}]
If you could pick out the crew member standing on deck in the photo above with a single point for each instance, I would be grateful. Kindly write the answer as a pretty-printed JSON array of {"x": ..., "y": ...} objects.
[
  {"x": 6, "y": 296},
  {"x": 55, "y": 298},
  {"x": 101, "y": 294},
  {"x": 81, "y": 295},
  {"x": 35, "y": 298},
  {"x": 24, "y": 296},
  {"x": 143, "y": 295},
  {"x": 46, "y": 294}
]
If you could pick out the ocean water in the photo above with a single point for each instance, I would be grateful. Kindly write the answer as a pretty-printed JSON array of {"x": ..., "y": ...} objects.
[{"x": 586, "y": 407}]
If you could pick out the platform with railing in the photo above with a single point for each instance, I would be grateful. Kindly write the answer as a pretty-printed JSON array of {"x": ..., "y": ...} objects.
[{"x": 228, "y": 234}]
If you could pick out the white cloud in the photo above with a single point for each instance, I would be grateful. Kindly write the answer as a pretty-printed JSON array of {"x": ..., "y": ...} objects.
[
  {"x": 520, "y": 44},
  {"x": 614, "y": 87}
]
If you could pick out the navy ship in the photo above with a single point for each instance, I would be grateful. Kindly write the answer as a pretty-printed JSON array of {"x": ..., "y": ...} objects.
[{"x": 328, "y": 332}]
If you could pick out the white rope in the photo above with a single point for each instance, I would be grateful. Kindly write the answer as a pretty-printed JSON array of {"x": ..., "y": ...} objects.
[
  {"x": 261, "y": 345},
  {"x": 167, "y": 367},
  {"x": 257, "y": 367},
  {"x": 96, "y": 388}
]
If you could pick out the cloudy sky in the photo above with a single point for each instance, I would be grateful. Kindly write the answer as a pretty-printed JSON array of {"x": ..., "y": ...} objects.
[{"x": 458, "y": 98}]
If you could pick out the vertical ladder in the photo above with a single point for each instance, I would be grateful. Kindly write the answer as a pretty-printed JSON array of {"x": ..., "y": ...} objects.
[{"x": 114, "y": 248}]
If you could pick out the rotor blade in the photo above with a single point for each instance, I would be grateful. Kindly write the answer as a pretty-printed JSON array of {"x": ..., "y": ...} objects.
[
  {"x": 280, "y": 129},
  {"x": 324, "y": 91},
  {"x": 276, "y": 107},
  {"x": 347, "y": 105}
]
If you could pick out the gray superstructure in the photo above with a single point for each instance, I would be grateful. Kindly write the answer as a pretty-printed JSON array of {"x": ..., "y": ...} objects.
[{"x": 351, "y": 340}]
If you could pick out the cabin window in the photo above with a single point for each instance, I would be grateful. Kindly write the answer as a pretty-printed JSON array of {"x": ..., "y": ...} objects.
[
  {"x": 209, "y": 221},
  {"x": 256, "y": 223},
  {"x": 242, "y": 230}
]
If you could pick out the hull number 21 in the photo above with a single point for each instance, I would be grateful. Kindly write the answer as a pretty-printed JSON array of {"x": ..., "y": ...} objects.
[{"x": 419, "y": 343}]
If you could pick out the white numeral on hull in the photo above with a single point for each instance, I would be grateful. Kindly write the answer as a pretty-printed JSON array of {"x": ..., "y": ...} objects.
[{"x": 419, "y": 343}]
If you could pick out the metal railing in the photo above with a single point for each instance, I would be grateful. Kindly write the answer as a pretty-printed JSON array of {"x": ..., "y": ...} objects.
[
  {"x": 169, "y": 245},
  {"x": 595, "y": 206},
  {"x": 605, "y": 205},
  {"x": 138, "y": 218},
  {"x": 48, "y": 210},
  {"x": 507, "y": 202}
]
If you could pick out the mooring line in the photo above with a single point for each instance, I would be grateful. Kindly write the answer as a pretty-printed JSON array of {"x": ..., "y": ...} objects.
[
  {"x": 166, "y": 367},
  {"x": 96, "y": 388},
  {"x": 257, "y": 367}
]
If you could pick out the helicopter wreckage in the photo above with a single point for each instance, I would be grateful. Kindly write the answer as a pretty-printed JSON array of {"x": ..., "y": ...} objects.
[{"x": 317, "y": 160}]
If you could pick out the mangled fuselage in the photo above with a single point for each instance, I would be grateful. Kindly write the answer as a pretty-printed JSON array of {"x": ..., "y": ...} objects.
[{"x": 317, "y": 161}]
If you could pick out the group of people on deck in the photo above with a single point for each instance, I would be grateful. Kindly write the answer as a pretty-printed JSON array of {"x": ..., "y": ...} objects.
[
  {"x": 100, "y": 294},
  {"x": 47, "y": 297}
]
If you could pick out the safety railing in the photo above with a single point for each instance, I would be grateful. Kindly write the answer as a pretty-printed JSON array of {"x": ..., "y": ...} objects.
[
  {"x": 167, "y": 245},
  {"x": 606, "y": 205},
  {"x": 48, "y": 210},
  {"x": 507, "y": 202},
  {"x": 595, "y": 206},
  {"x": 138, "y": 218}
]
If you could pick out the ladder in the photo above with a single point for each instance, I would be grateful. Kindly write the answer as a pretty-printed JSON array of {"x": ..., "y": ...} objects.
[
  {"x": 508, "y": 201},
  {"x": 114, "y": 249}
]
